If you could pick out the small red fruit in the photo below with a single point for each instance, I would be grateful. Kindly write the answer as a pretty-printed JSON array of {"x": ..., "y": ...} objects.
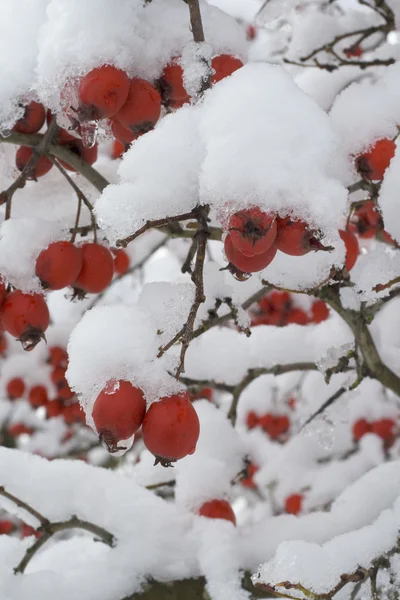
[
  {"x": 205, "y": 393},
  {"x": 295, "y": 238},
  {"x": 25, "y": 317},
  {"x": 27, "y": 530},
  {"x": 142, "y": 108},
  {"x": 42, "y": 166},
  {"x": 384, "y": 428},
  {"x": 224, "y": 65},
  {"x": 19, "y": 429},
  {"x": 74, "y": 145},
  {"x": 15, "y": 388},
  {"x": 59, "y": 265},
  {"x": 118, "y": 149},
  {"x": 3, "y": 344},
  {"x": 319, "y": 311},
  {"x": 97, "y": 269},
  {"x": 32, "y": 120},
  {"x": 171, "y": 429},
  {"x": 373, "y": 164},
  {"x": 54, "y": 408},
  {"x": 173, "y": 91},
  {"x": 218, "y": 509},
  {"x": 249, "y": 481},
  {"x": 3, "y": 294},
  {"x": 103, "y": 92},
  {"x": 252, "y": 419},
  {"x": 251, "y": 33},
  {"x": 6, "y": 526},
  {"x": 248, "y": 264},
  {"x": 124, "y": 135},
  {"x": 366, "y": 220},
  {"x": 118, "y": 412},
  {"x": 352, "y": 248},
  {"x": 252, "y": 231},
  {"x": 37, "y": 396},
  {"x": 297, "y": 316},
  {"x": 122, "y": 261},
  {"x": 355, "y": 51},
  {"x": 73, "y": 414},
  {"x": 58, "y": 357},
  {"x": 293, "y": 504},
  {"x": 360, "y": 428}
]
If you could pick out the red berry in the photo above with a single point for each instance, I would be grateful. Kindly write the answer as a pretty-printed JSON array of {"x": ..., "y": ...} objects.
[
  {"x": 384, "y": 428},
  {"x": 249, "y": 481},
  {"x": 293, "y": 504},
  {"x": 224, "y": 65},
  {"x": 173, "y": 91},
  {"x": 252, "y": 419},
  {"x": 42, "y": 166},
  {"x": 3, "y": 343},
  {"x": 297, "y": 316},
  {"x": 88, "y": 155},
  {"x": 352, "y": 248},
  {"x": 15, "y": 388},
  {"x": 295, "y": 238},
  {"x": 373, "y": 164},
  {"x": 118, "y": 149},
  {"x": 248, "y": 264},
  {"x": 97, "y": 269},
  {"x": 252, "y": 231},
  {"x": 251, "y": 33},
  {"x": 73, "y": 414},
  {"x": 171, "y": 428},
  {"x": 58, "y": 357},
  {"x": 280, "y": 301},
  {"x": 25, "y": 317},
  {"x": 122, "y": 261},
  {"x": 142, "y": 108},
  {"x": 218, "y": 509},
  {"x": 355, "y": 51},
  {"x": 6, "y": 526},
  {"x": 54, "y": 408},
  {"x": 59, "y": 265},
  {"x": 319, "y": 311},
  {"x": 366, "y": 220},
  {"x": 37, "y": 396},
  {"x": 32, "y": 120},
  {"x": 124, "y": 135},
  {"x": 360, "y": 428},
  {"x": 118, "y": 412},
  {"x": 205, "y": 393},
  {"x": 19, "y": 429},
  {"x": 103, "y": 92},
  {"x": 292, "y": 402},
  {"x": 3, "y": 294},
  {"x": 27, "y": 530}
]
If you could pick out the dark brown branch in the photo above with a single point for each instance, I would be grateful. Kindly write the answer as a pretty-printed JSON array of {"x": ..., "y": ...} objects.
[
  {"x": 21, "y": 504},
  {"x": 155, "y": 224},
  {"x": 49, "y": 529},
  {"x": 60, "y": 152},
  {"x": 196, "y": 21}
]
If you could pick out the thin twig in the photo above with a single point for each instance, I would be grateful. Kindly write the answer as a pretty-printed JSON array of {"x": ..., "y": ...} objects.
[
  {"x": 156, "y": 223},
  {"x": 21, "y": 504}
]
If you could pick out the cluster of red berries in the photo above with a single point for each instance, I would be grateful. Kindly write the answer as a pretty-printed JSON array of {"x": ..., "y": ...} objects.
[
  {"x": 255, "y": 236},
  {"x": 63, "y": 404},
  {"x": 8, "y": 527},
  {"x": 276, "y": 426},
  {"x": 278, "y": 308},
  {"x": 372, "y": 165},
  {"x": 170, "y": 427},
  {"x": 383, "y": 428}
]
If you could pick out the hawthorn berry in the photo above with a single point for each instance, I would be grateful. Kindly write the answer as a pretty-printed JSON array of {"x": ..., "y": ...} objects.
[
  {"x": 248, "y": 481},
  {"x": 19, "y": 429},
  {"x": 118, "y": 149},
  {"x": 3, "y": 344},
  {"x": 26, "y": 317},
  {"x": 275, "y": 425},
  {"x": 37, "y": 396},
  {"x": 97, "y": 269},
  {"x": 42, "y": 166},
  {"x": 118, "y": 412},
  {"x": 72, "y": 413},
  {"x": 251, "y": 33},
  {"x": 122, "y": 261},
  {"x": 248, "y": 264},
  {"x": 278, "y": 300},
  {"x": 352, "y": 248},
  {"x": 58, "y": 357},
  {"x": 353, "y": 51},
  {"x": 171, "y": 429},
  {"x": 102, "y": 93},
  {"x": 360, "y": 428},
  {"x": 74, "y": 145},
  {"x": 384, "y": 428},
  {"x": 319, "y": 311},
  {"x": 373, "y": 164},
  {"x": 217, "y": 509},
  {"x": 59, "y": 265},
  {"x": 6, "y": 526},
  {"x": 3, "y": 294},
  {"x": 252, "y": 231},
  {"x": 205, "y": 393},
  {"x": 173, "y": 91},
  {"x": 142, "y": 108},
  {"x": 224, "y": 65},
  {"x": 297, "y": 316},
  {"x": 366, "y": 220},
  {"x": 293, "y": 504},
  {"x": 121, "y": 133},
  {"x": 252, "y": 419},
  {"x": 54, "y": 408},
  {"x": 15, "y": 388},
  {"x": 295, "y": 238},
  {"x": 32, "y": 120}
]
